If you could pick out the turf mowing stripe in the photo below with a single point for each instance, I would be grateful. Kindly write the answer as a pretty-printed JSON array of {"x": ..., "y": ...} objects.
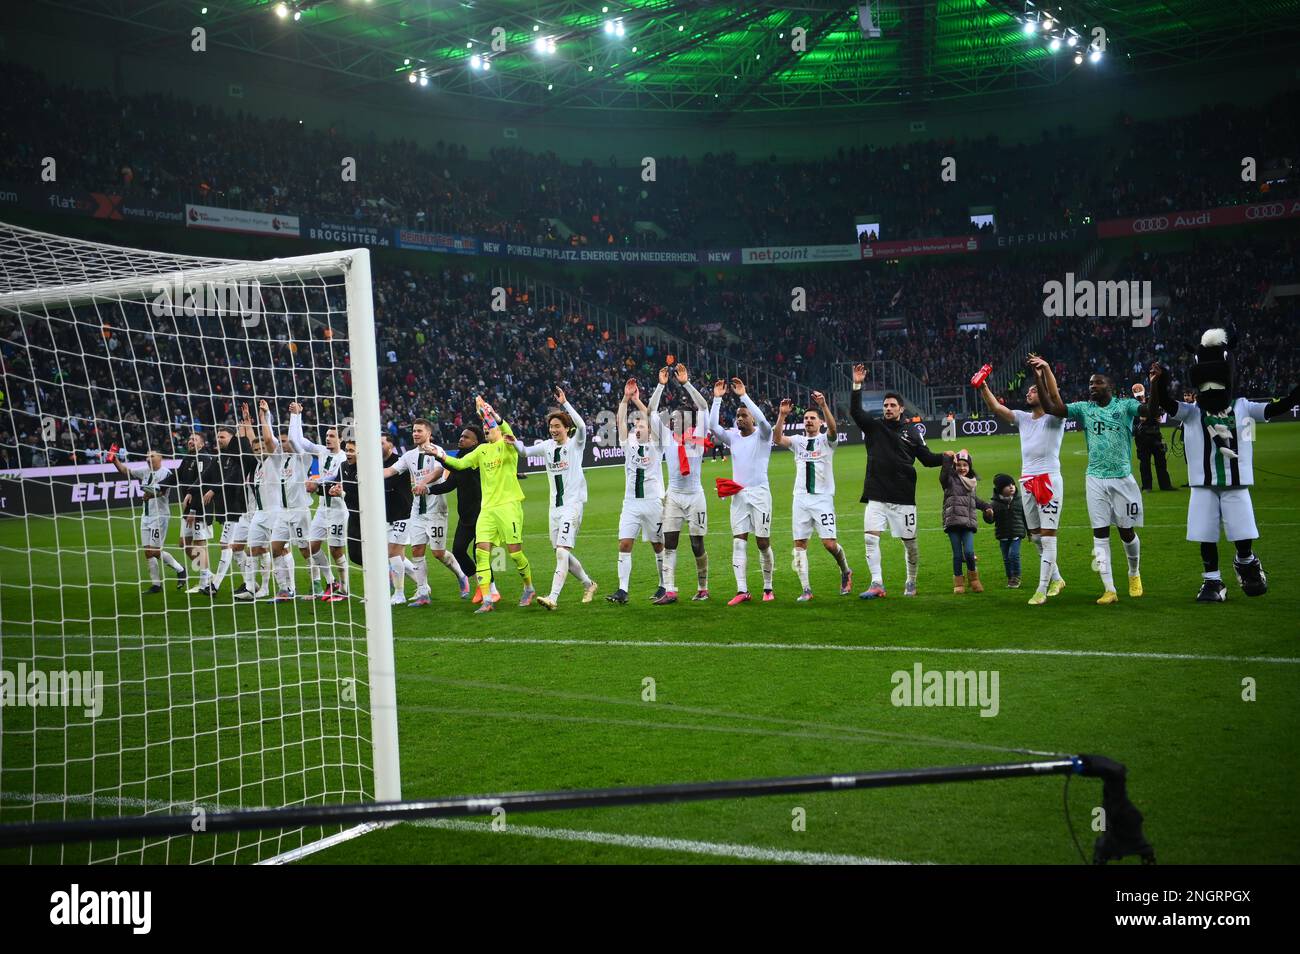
[
  {"x": 830, "y": 647},
  {"x": 644, "y": 842}
]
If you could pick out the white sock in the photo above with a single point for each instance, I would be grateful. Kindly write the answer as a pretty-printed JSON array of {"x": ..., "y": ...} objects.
[
  {"x": 264, "y": 561},
  {"x": 740, "y": 563},
  {"x": 561, "y": 572},
  {"x": 659, "y": 564},
  {"x": 420, "y": 574},
  {"x": 841, "y": 558},
  {"x": 1039, "y": 543},
  {"x": 171, "y": 562},
  {"x": 767, "y": 563},
  {"x": 450, "y": 563},
  {"x": 155, "y": 570},
  {"x": 313, "y": 567},
  {"x": 873, "y": 559},
  {"x": 396, "y": 573},
  {"x": 912, "y": 550},
  {"x": 223, "y": 566},
  {"x": 801, "y": 566},
  {"x": 342, "y": 561},
  {"x": 326, "y": 568},
  {"x": 624, "y": 570},
  {"x": 248, "y": 569},
  {"x": 669, "y": 570},
  {"x": 1101, "y": 553},
  {"x": 205, "y": 577},
  {"x": 576, "y": 569},
  {"x": 1133, "y": 550},
  {"x": 409, "y": 567},
  {"x": 702, "y": 570},
  {"x": 1046, "y": 561},
  {"x": 285, "y": 574}
]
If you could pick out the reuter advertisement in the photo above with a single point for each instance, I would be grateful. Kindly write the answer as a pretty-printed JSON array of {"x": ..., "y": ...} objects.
[
  {"x": 237, "y": 220},
  {"x": 71, "y": 489}
]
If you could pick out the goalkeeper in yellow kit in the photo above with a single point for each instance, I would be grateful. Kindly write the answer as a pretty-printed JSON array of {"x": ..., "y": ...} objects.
[{"x": 501, "y": 519}]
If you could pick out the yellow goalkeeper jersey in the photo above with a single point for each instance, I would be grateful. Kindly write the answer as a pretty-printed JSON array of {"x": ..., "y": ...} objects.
[{"x": 498, "y": 467}]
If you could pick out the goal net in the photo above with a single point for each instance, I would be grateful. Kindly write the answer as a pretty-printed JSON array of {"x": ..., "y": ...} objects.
[{"x": 141, "y": 512}]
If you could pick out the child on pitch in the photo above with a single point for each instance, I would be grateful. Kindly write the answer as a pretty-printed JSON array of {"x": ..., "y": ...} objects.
[
  {"x": 961, "y": 509},
  {"x": 1008, "y": 518}
]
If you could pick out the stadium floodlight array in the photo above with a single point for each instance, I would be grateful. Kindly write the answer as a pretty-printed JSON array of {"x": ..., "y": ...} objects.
[{"x": 119, "y": 702}]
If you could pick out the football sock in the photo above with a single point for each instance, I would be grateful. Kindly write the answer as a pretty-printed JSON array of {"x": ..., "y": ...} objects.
[
  {"x": 155, "y": 570},
  {"x": 396, "y": 571},
  {"x": 450, "y": 563},
  {"x": 669, "y": 581},
  {"x": 1133, "y": 550},
  {"x": 171, "y": 562},
  {"x": 913, "y": 551},
  {"x": 522, "y": 566},
  {"x": 342, "y": 561},
  {"x": 421, "y": 574},
  {"x": 702, "y": 570},
  {"x": 248, "y": 568},
  {"x": 577, "y": 570},
  {"x": 482, "y": 568},
  {"x": 801, "y": 566},
  {"x": 264, "y": 562},
  {"x": 408, "y": 567},
  {"x": 740, "y": 563},
  {"x": 624, "y": 571},
  {"x": 1101, "y": 551},
  {"x": 223, "y": 566},
  {"x": 841, "y": 558},
  {"x": 873, "y": 558},
  {"x": 659, "y": 566},
  {"x": 1046, "y": 561},
  {"x": 561, "y": 572},
  {"x": 767, "y": 563}
]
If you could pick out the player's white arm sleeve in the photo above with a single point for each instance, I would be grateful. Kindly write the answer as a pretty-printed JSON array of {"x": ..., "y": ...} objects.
[
  {"x": 579, "y": 425},
  {"x": 534, "y": 450},
  {"x": 298, "y": 441},
  {"x": 715, "y": 422},
  {"x": 696, "y": 396},
  {"x": 656, "y": 425},
  {"x": 400, "y": 466},
  {"x": 764, "y": 428}
]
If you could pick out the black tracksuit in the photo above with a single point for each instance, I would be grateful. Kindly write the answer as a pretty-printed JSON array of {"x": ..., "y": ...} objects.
[
  {"x": 1150, "y": 444},
  {"x": 893, "y": 447},
  {"x": 469, "y": 500},
  {"x": 233, "y": 467},
  {"x": 352, "y": 497},
  {"x": 191, "y": 479}
]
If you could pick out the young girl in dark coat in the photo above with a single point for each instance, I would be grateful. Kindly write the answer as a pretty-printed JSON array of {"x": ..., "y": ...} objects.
[{"x": 961, "y": 510}]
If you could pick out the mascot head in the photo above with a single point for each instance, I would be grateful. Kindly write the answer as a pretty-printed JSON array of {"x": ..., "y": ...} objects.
[{"x": 1212, "y": 374}]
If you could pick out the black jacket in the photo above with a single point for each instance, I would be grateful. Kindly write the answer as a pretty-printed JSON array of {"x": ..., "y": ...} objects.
[
  {"x": 235, "y": 465},
  {"x": 351, "y": 490},
  {"x": 893, "y": 447},
  {"x": 190, "y": 481},
  {"x": 469, "y": 492},
  {"x": 1008, "y": 517},
  {"x": 397, "y": 494},
  {"x": 1146, "y": 428}
]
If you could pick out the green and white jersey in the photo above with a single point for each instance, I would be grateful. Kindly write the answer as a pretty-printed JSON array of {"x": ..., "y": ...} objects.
[
  {"x": 1108, "y": 432},
  {"x": 814, "y": 465},
  {"x": 157, "y": 503},
  {"x": 1207, "y": 465},
  {"x": 643, "y": 469}
]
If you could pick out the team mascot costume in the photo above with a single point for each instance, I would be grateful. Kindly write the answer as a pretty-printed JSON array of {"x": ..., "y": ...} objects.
[{"x": 1219, "y": 438}]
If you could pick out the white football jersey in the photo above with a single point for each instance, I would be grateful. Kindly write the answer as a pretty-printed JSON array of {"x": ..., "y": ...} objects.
[
  {"x": 158, "y": 502},
  {"x": 814, "y": 470},
  {"x": 266, "y": 485},
  {"x": 423, "y": 468},
  {"x": 291, "y": 470},
  {"x": 643, "y": 469}
]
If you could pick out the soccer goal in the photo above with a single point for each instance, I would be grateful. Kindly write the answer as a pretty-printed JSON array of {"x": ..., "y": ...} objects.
[{"x": 122, "y": 690}]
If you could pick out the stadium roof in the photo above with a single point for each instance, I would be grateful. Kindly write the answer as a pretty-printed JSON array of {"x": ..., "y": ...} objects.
[{"x": 708, "y": 58}]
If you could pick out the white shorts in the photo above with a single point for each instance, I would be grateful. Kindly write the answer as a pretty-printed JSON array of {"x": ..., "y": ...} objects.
[
  {"x": 899, "y": 518},
  {"x": 1209, "y": 507},
  {"x": 153, "y": 532},
  {"x": 1116, "y": 500},
  {"x": 198, "y": 531},
  {"x": 645, "y": 516},
  {"x": 429, "y": 529},
  {"x": 691, "y": 510},
  {"x": 814, "y": 513},
  {"x": 1043, "y": 516},
  {"x": 260, "y": 528},
  {"x": 291, "y": 527},
  {"x": 397, "y": 532},
  {"x": 234, "y": 531},
  {"x": 565, "y": 522},
  {"x": 330, "y": 525},
  {"x": 751, "y": 512}
]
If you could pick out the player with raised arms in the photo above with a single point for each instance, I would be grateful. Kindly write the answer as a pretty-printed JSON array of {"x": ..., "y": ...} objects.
[
  {"x": 427, "y": 525},
  {"x": 501, "y": 519},
  {"x": 1040, "y": 469},
  {"x": 294, "y": 516},
  {"x": 264, "y": 507},
  {"x": 568, "y": 494},
  {"x": 329, "y": 524},
  {"x": 235, "y": 463},
  {"x": 889, "y": 487},
  {"x": 643, "y": 492},
  {"x": 750, "y": 441},
  {"x": 155, "y": 487},
  {"x": 1113, "y": 495},
  {"x": 685, "y": 503},
  {"x": 814, "y": 489}
]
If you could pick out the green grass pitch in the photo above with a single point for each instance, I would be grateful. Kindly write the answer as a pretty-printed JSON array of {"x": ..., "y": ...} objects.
[{"x": 526, "y": 699}]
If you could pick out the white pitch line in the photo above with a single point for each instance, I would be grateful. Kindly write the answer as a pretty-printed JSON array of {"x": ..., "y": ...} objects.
[
  {"x": 831, "y": 647},
  {"x": 643, "y": 842},
  {"x": 650, "y": 842}
]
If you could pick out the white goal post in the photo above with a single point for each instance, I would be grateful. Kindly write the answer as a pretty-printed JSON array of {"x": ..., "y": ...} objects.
[{"x": 123, "y": 691}]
